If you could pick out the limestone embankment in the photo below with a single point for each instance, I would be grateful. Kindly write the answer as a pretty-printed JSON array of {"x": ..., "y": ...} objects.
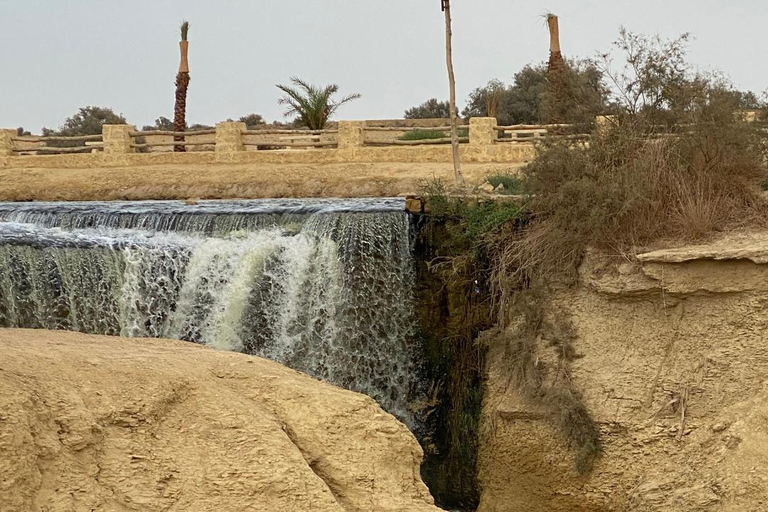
[
  {"x": 672, "y": 364},
  {"x": 103, "y": 423},
  {"x": 227, "y": 181}
]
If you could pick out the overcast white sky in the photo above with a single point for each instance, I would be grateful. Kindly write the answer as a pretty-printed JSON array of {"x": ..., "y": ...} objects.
[{"x": 59, "y": 55}]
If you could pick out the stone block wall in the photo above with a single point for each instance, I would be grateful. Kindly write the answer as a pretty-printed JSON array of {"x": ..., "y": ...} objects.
[{"x": 482, "y": 148}]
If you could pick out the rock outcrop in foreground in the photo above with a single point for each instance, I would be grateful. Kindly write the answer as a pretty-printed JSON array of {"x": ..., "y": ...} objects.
[{"x": 111, "y": 424}]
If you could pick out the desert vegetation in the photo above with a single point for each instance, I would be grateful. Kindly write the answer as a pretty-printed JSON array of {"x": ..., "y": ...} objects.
[
  {"x": 430, "y": 109},
  {"x": 676, "y": 161},
  {"x": 312, "y": 105},
  {"x": 86, "y": 121}
]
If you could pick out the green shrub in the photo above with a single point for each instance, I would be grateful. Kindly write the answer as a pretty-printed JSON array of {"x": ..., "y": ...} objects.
[
  {"x": 473, "y": 220},
  {"x": 431, "y": 134},
  {"x": 512, "y": 184},
  {"x": 675, "y": 163},
  {"x": 423, "y": 135}
]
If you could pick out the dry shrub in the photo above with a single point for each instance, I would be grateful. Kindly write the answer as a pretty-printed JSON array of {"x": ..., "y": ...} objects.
[
  {"x": 676, "y": 163},
  {"x": 636, "y": 183},
  {"x": 544, "y": 382}
]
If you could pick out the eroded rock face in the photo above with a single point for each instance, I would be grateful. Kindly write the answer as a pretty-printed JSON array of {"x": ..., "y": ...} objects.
[
  {"x": 673, "y": 366},
  {"x": 100, "y": 423}
]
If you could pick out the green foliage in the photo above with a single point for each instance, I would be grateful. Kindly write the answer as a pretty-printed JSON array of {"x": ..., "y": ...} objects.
[
  {"x": 456, "y": 234},
  {"x": 473, "y": 233},
  {"x": 87, "y": 121},
  {"x": 161, "y": 123},
  {"x": 454, "y": 308},
  {"x": 165, "y": 124},
  {"x": 528, "y": 101},
  {"x": 471, "y": 220},
  {"x": 423, "y": 135},
  {"x": 20, "y": 131},
  {"x": 513, "y": 185},
  {"x": 252, "y": 120},
  {"x": 430, "y": 109},
  {"x": 674, "y": 163},
  {"x": 311, "y": 104},
  {"x": 431, "y": 134}
]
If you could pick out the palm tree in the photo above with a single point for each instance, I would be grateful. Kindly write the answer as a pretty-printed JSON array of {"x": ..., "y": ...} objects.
[
  {"x": 457, "y": 175},
  {"x": 555, "y": 56},
  {"x": 556, "y": 73},
  {"x": 312, "y": 105},
  {"x": 182, "y": 84}
]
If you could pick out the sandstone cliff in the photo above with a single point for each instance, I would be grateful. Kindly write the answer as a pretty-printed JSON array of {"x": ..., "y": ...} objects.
[
  {"x": 109, "y": 424},
  {"x": 672, "y": 364}
]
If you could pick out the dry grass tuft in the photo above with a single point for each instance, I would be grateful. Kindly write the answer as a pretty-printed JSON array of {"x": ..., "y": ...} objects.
[
  {"x": 630, "y": 187},
  {"x": 538, "y": 352}
]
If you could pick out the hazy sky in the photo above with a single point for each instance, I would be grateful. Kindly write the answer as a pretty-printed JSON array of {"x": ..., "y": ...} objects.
[{"x": 58, "y": 55}]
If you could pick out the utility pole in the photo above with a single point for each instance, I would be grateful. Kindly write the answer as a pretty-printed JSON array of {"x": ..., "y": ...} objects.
[{"x": 459, "y": 178}]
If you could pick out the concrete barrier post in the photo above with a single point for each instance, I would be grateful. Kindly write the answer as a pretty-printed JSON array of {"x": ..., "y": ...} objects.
[
  {"x": 229, "y": 139},
  {"x": 117, "y": 139},
  {"x": 481, "y": 132},
  {"x": 6, "y": 142},
  {"x": 351, "y": 134}
]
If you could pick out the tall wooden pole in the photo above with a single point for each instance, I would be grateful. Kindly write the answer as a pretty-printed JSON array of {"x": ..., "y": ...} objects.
[{"x": 459, "y": 178}]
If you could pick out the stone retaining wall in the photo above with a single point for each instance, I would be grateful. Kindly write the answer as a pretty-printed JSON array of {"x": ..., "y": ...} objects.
[{"x": 482, "y": 148}]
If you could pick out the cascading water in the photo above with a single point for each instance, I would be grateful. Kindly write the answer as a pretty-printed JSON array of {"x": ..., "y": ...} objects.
[{"x": 323, "y": 286}]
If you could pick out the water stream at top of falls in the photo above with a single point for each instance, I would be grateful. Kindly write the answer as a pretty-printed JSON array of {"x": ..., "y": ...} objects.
[{"x": 322, "y": 286}]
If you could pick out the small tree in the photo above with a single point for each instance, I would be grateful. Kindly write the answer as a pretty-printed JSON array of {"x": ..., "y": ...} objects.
[
  {"x": 529, "y": 101},
  {"x": 486, "y": 101},
  {"x": 252, "y": 120},
  {"x": 20, "y": 132},
  {"x": 87, "y": 121},
  {"x": 655, "y": 77},
  {"x": 430, "y": 109},
  {"x": 312, "y": 105},
  {"x": 161, "y": 123}
]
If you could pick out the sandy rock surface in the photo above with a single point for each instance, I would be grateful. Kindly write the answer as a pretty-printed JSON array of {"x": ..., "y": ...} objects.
[
  {"x": 673, "y": 367},
  {"x": 110, "y": 424},
  {"x": 227, "y": 181}
]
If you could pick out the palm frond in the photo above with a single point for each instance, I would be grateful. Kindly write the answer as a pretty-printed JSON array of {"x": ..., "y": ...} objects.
[
  {"x": 313, "y": 105},
  {"x": 184, "y": 30}
]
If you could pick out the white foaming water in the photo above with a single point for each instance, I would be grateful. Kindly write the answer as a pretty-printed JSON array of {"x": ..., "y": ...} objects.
[{"x": 325, "y": 291}]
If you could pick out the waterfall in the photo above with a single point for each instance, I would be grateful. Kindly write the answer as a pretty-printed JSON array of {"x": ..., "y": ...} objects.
[{"x": 322, "y": 286}]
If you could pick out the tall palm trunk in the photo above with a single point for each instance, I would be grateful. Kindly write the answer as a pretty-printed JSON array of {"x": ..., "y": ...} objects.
[
  {"x": 182, "y": 84},
  {"x": 555, "y": 56},
  {"x": 556, "y": 74},
  {"x": 458, "y": 176}
]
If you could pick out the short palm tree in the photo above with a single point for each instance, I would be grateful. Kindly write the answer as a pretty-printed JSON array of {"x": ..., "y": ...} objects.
[
  {"x": 182, "y": 84},
  {"x": 312, "y": 105}
]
